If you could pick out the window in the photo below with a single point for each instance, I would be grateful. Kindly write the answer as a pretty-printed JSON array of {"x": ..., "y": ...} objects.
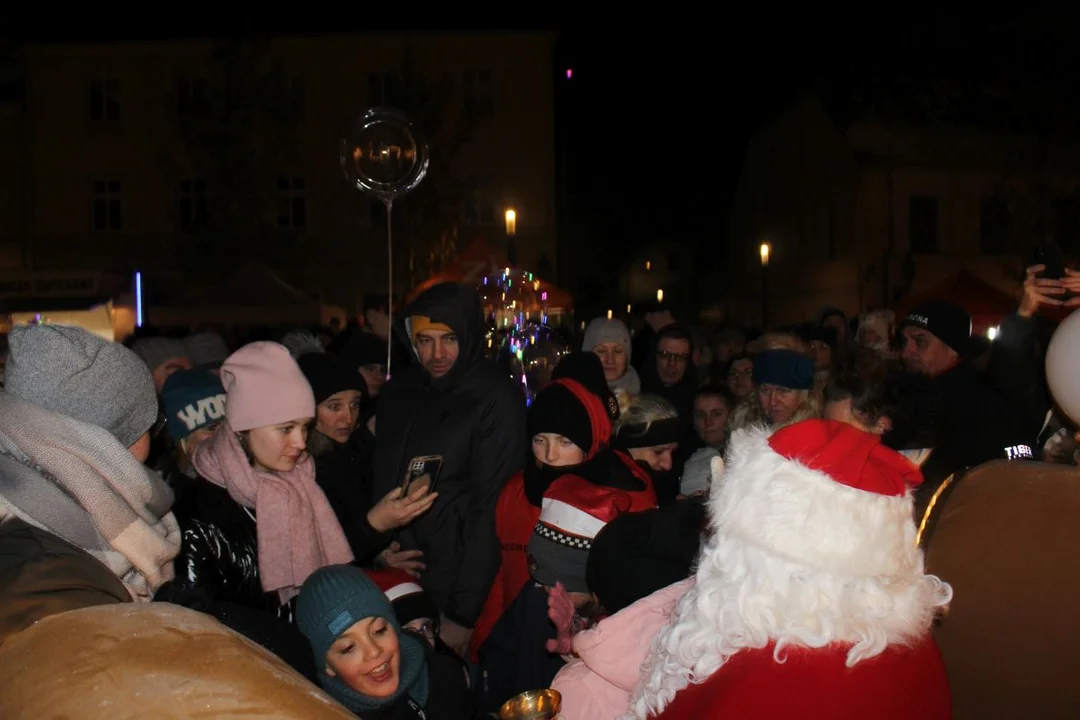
[
  {"x": 995, "y": 225},
  {"x": 193, "y": 205},
  {"x": 923, "y": 224},
  {"x": 191, "y": 95},
  {"x": 289, "y": 93},
  {"x": 477, "y": 87},
  {"x": 296, "y": 94},
  {"x": 105, "y": 100},
  {"x": 105, "y": 213},
  {"x": 292, "y": 204},
  {"x": 480, "y": 203},
  {"x": 383, "y": 89}
]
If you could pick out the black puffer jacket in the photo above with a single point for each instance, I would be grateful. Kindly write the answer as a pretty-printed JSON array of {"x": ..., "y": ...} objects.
[
  {"x": 217, "y": 573},
  {"x": 343, "y": 473},
  {"x": 474, "y": 417}
]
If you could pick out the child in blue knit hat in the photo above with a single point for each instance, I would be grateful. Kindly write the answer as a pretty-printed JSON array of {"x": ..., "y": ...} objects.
[{"x": 366, "y": 661}]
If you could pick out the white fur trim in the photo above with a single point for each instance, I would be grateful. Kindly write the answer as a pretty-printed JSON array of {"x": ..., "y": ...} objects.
[
  {"x": 569, "y": 519},
  {"x": 804, "y": 516},
  {"x": 400, "y": 591}
]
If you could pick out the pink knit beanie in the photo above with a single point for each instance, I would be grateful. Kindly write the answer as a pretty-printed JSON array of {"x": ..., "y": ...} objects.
[{"x": 264, "y": 386}]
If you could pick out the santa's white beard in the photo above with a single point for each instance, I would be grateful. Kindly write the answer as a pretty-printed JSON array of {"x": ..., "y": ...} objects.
[{"x": 745, "y": 598}]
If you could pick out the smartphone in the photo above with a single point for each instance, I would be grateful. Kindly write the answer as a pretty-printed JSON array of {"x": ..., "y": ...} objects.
[
  {"x": 1052, "y": 257},
  {"x": 422, "y": 470}
]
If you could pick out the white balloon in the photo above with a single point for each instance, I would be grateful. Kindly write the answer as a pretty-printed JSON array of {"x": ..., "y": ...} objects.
[{"x": 1062, "y": 362}]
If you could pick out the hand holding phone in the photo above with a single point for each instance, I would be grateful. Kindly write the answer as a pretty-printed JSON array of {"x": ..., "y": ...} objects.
[
  {"x": 411, "y": 499},
  {"x": 423, "y": 472}
]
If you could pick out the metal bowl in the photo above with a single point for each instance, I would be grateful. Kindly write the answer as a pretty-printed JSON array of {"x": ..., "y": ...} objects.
[{"x": 532, "y": 705}]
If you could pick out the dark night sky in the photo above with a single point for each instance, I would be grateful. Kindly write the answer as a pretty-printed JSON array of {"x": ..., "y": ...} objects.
[
  {"x": 703, "y": 96},
  {"x": 655, "y": 121}
]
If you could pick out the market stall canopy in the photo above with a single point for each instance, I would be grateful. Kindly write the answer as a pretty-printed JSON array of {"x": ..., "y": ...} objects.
[
  {"x": 254, "y": 294},
  {"x": 986, "y": 303},
  {"x": 479, "y": 261}
]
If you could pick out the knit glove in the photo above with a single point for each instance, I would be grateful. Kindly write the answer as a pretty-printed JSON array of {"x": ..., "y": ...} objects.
[{"x": 561, "y": 612}]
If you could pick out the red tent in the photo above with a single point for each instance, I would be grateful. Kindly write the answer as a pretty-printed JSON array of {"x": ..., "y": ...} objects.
[{"x": 986, "y": 304}]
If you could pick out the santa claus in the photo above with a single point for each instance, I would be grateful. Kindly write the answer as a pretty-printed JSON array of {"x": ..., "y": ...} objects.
[{"x": 810, "y": 599}]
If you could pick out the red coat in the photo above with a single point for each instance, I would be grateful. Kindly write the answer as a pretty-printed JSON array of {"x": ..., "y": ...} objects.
[
  {"x": 900, "y": 684},
  {"x": 515, "y": 518}
]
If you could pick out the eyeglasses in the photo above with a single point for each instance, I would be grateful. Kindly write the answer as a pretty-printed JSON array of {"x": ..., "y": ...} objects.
[
  {"x": 159, "y": 425},
  {"x": 673, "y": 358}
]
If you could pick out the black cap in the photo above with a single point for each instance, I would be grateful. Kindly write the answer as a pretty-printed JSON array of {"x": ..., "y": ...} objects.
[
  {"x": 328, "y": 375},
  {"x": 946, "y": 321}
]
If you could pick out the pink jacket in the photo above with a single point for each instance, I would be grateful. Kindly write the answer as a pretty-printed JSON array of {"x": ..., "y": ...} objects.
[{"x": 598, "y": 684}]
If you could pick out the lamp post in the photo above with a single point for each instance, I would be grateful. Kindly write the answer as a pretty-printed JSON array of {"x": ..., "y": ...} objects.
[
  {"x": 766, "y": 250},
  {"x": 511, "y": 230}
]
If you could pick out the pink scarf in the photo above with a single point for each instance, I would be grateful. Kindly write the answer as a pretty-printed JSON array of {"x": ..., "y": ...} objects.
[{"x": 296, "y": 528}]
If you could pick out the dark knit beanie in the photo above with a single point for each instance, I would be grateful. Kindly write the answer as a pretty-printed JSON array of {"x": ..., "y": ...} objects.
[
  {"x": 363, "y": 348},
  {"x": 328, "y": 375},
  {"x": 557, "y": 410},
  {"x": 784, "y": 368},
  {"x": 637, "y": 554},
  {"x": 332, "y": 600},
  {"x": 946, "y": 321},
  {"x": 191, "y": 400},
  {"x": 587, "y": 369},
  {"x": 335, "y": 598}
]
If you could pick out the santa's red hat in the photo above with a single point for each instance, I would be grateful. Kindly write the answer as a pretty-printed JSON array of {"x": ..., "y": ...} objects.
[
  {"x": 823, "y": 494},
  {"x": 408, "y": 598},
  {"x": 573, "y": 511}
]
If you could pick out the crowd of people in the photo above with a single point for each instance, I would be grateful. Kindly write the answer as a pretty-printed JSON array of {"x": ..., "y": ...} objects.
[{"x": 682, "y": 523}]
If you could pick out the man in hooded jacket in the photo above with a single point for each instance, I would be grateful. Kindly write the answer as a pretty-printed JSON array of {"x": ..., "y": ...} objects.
[{"x": 454, "y": 404}]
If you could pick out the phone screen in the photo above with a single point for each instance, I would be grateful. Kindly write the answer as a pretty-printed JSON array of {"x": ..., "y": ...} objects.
[{"x": 422, "y": 471}]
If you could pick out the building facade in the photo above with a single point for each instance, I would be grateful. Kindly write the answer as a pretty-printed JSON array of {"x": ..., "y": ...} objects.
[
  {"x": 862, "y": 217},
  {"x": 116, "y": 157}
]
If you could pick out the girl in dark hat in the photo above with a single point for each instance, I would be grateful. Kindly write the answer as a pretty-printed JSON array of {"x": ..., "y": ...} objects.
[{"x": 343, "y": 469}]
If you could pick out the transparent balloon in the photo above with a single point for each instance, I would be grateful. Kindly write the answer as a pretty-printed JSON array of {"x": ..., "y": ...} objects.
[
  {"x": 384, "y": 155},
  {"x": 1062, "y": 356},
  {"x": 530, "y": 353}
]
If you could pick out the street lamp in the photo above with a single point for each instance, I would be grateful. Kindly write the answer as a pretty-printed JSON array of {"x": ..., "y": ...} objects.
[
  {"x": 766, "y": 250},
  {"x": 511, "y": 221},
  {"x": 659, "y": 296}
]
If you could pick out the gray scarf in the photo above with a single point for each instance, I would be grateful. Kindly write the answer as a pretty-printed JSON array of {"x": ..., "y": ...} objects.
[
  {"x": 76, "y": 481},
  {"x": 629, "y": 382}
]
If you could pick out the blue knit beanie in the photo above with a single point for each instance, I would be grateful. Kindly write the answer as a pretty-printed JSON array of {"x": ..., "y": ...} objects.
[
  {"x": 335, "y": 598},
  {"x": 784, "y": 368},
  {"x": 192, "y": 399}
]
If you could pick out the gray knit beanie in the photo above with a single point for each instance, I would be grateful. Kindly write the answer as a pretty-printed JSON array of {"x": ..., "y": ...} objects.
[
  {"x": 602, "y": 330},
  {"x": 155, "y": 351},
  {"x": 206, "y": 349},
  {"x": 76, "y": 373}
]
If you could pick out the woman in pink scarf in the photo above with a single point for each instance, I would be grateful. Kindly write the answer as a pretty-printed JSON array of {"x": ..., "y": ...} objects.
[{"x": 255, "y": 525}]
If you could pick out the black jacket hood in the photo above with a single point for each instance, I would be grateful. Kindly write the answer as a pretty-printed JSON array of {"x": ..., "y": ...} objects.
[{"x": 458, "y": 307}]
